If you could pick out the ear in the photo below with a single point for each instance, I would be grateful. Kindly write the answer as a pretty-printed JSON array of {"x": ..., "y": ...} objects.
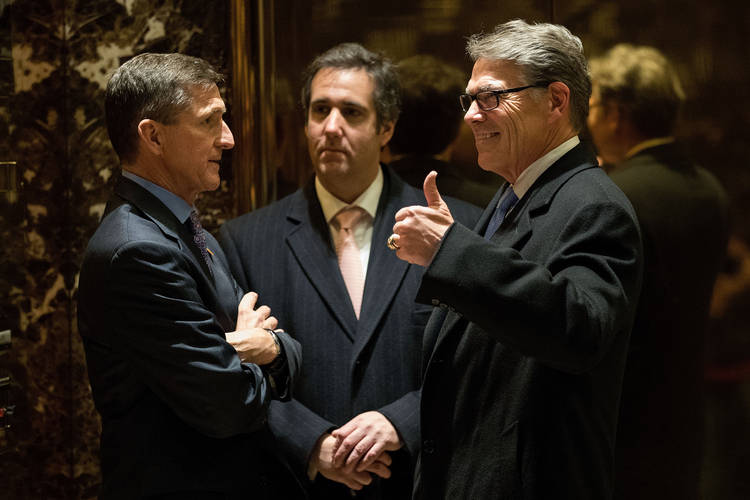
[
  {"x": 559, "y": 101},
  {"x": 386, "y": 132},
  {"x": 151, "y": 136}
]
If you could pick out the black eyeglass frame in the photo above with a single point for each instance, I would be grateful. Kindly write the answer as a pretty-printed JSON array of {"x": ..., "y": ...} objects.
[{"x": 496, "y": 93}]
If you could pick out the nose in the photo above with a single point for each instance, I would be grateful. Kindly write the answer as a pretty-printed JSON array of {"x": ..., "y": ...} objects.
[
  {"x": 333, "y": 123},
  {"x": 226, "y": 139},
  {"x": 474, "y": 113}
]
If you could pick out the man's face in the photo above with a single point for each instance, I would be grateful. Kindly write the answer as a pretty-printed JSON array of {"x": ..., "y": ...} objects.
[
  {"x": 516, "y": 133},
  {"x": 194, "y": 144},
  {"x": 342, "y": 135}
]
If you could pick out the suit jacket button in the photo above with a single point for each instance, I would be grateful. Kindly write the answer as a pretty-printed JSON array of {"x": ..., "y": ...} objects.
[{"x": 428, "y": 446}]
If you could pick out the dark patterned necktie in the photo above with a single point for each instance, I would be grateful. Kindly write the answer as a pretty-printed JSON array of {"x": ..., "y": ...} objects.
[
  {"x": 194, "y": 224},
  {"x": 499, "y": 214}
]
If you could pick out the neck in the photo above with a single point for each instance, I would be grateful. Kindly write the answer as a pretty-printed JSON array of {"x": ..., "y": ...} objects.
[
  {"x": 152, "y": 172},
  {"x": 346, "y": 188}
]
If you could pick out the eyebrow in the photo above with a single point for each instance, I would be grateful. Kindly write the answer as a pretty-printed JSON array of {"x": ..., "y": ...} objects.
[
  {"x": 490, "y": 88},
  {"x": 214, "y": 110},
  {"x": 325, "y": 100}
]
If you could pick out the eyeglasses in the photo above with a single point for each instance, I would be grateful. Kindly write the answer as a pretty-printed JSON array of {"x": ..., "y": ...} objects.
[{"x": 490, "y": 99}]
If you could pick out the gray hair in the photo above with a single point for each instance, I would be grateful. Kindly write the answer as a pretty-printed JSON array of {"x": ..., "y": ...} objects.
[
  {"x": 644, "y": 85},
  {"x": 387, "y": 93},
  {"x": 152, "y": 86},
  {"x": 545, "y": 53}
]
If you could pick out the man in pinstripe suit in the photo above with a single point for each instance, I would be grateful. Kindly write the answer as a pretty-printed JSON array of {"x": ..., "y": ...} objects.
[{"x": 353, "y": 425}]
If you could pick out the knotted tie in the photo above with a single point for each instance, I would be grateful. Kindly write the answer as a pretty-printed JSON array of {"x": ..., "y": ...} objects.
[
  {"x": 506, "y": 204},
  {"x": 345, "y": 222},
  {"x": 194, "y": 224}
]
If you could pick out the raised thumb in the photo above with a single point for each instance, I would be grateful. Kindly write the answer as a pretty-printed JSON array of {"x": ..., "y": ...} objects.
[{"x": 431, "y": 193}]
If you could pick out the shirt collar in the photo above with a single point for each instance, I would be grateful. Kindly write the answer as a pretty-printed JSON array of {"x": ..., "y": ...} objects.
[
  {"x": 368, "y": 200},
  {"x": 533, "y": 171},
  {"x": 174, "y": 203},
  {"x": 650, "y": 143}
]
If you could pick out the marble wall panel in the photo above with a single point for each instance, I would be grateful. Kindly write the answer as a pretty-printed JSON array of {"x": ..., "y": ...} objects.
[{"x": 62, "y": 54}]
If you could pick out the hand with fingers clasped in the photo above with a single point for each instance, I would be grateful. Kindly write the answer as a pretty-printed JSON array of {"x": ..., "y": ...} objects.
[
  {"x": 363, "y": 441},
  {"x": 355, "y": 451},
  {"x": 418, "y": 230},
  {"x": 251, "y": 339}
]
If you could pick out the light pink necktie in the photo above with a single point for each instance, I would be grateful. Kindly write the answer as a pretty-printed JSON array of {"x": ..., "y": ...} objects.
[{"x": 345, "y": 222}]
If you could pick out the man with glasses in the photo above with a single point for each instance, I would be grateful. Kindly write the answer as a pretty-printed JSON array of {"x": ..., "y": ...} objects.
[{"x": 525, "y": 355}]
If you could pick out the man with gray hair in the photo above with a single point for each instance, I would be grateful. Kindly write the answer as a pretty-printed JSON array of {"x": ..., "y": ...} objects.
[
  {"x": 635, "y": 106},
  {"x": 525, "y": 354}
]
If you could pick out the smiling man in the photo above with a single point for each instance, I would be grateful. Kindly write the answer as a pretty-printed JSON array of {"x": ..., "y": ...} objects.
[
  {"x": 182, "y": 366},
  {"x": 524, "y": 358},
  {"x": 320, "y": 255}
]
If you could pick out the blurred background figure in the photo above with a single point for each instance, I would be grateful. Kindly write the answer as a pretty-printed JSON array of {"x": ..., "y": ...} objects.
[
  {"x": 428, "y": 126},
  {"x": 683, "y": 212}
]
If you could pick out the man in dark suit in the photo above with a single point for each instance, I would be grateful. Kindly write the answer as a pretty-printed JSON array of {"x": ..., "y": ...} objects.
[
  {"x": 683, "y": 212},
  {"x": 427, "y": 127},
  {"x": 182, "y": 378},
  {"x": 346, "y": 297},
  {"x": 526, "y": 353}
]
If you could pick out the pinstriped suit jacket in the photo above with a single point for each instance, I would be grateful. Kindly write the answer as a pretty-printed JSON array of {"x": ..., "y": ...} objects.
[
  {"x": 181, "y": 415},
  {"x": 284, "y": 252}
]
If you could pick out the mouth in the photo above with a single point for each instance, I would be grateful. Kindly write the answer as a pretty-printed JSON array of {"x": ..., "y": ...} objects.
[
  {"x": 483, "y": 136},
  {"x": 218, "y": 162},
  {"x": 331, "y": 151}
]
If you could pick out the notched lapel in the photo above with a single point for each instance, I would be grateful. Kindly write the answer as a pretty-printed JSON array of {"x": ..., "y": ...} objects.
[
  {"x": 310, "y": 242},
  {"x": 515, "y": 230},
  {"x": 385, "y": 271},
  {"x": 155, "y": 210}
]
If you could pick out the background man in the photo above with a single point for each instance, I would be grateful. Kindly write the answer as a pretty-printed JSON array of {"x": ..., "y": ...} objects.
[
  {"x": 183, "y": 412},
  {"x": 348, "y": 299},
  {"x": 427, "y": 126},
  {"x": 683, "y": 214},
  {"x": 526, "y": 357}
]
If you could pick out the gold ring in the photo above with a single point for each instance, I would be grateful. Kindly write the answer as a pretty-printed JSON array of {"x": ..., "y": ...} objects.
[{"x": 392, "y": 242}]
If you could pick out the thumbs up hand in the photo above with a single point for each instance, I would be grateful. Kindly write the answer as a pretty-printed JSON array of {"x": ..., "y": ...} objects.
[{"x": 418, "y": 230}]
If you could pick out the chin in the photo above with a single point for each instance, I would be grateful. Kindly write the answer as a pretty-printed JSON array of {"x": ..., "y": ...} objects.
[
  {"x": 333, "y": 168},
  {"x": 213, "y": 183}
]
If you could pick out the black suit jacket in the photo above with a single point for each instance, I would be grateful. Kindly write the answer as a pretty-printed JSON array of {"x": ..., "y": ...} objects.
[
  {"x": 285, "y": 253},
  {"x": 180, "y": 412},
  {"x": 526, "y": 354},
  {"x": 683, "y": 214}
]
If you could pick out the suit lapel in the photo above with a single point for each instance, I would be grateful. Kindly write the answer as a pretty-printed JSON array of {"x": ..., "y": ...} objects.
[
  {"x": 309, "y": 240},
  {"x": 385, "y": 271},
  {"x": 518, "y": 225},
  {"x": 484, "y": 219},
  {"x": 150, "y": 205}
]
